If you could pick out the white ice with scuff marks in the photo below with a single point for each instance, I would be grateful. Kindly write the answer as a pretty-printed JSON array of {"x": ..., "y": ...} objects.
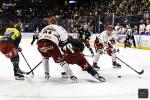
[{"x": 87, "y": 88}]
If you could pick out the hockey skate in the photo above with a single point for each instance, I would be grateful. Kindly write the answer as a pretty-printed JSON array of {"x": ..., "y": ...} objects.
[
  {"x": 64, "y": 75},
  {"x": 18, "y": 74},
  {"x": 47, "y": 76},
  {"x": 73, "y": 78},
  {"x": 100, "y": 78},
  {"x": 97, "y": 68},
  {"x": 116, "y": 65},
  {"x": 95, "y": 74}
]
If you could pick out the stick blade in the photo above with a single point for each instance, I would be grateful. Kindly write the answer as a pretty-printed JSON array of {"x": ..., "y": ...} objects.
[{"x": 141, "y": 72}]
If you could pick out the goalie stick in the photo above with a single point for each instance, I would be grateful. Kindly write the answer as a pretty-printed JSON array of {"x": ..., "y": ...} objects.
[{"x": 141, "y": 72}]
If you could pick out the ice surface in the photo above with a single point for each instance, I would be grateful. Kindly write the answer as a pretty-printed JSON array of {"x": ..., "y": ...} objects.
[{"x": 87, "y": 88}]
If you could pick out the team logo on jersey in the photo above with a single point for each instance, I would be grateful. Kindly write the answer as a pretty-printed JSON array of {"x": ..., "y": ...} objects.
[{"x": 45, "y": 49}]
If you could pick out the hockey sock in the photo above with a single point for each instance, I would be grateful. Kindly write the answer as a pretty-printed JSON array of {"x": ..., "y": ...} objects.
[
  {"x": 113, "y": 57},
  {"x": 92, "y": 71},
  {"x": 15, "y": 62},
  {"x": 66, "y": 68},
  {"x": 96, "y": 57},
  {"x": 46, "y": 65},
  {"x": 17, "y": 71}
]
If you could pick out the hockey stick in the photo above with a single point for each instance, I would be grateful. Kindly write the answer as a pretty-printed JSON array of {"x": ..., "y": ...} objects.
[
  {"x": 33, "y": 68},
  {"x": 88, "y": 55},
  {"x": 27, "y": 62},
  {"x": 141, "y": 72}
]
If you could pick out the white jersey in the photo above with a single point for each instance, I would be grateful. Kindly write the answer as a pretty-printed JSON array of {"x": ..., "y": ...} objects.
[
  {"x": 141, "y": 28},
  {"x": 54, "y": 33},
  {"x": 122, "y": 30},
  {"x": 148, "y": 28},
  {"x": 104, "y": 38}
]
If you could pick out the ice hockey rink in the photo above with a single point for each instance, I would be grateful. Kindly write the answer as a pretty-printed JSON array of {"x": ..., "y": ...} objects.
[{"x": 87, "y": 87}]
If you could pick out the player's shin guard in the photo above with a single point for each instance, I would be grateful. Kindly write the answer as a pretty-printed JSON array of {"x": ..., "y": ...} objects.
[
  {"x": 66, "y": 68},
  {"x": 115, "y": 64},
  {"x": 46, "y": 67},
  {"x": 17, "y": 72},
  {"x": 95, "y": 74},
  {"x": 96, "y": 58}
]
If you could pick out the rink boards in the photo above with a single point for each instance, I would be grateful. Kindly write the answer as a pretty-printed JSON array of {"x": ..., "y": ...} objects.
[{"x": 142, "y": 41}]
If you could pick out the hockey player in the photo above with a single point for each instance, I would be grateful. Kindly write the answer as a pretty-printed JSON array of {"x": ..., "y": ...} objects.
[
  {"x": 48, "y": 41},
  {"x": 9, "y": 46},
  {"x": 105, "y": 42},
  {"x": 84, "y": 36},
  {"x": 73, "y": 55},
  {"x": 35, "y": 35},
  {"x": 129, "y": 38}
]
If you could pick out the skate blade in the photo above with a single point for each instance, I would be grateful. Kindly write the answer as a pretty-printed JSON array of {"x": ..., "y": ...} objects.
[
  {"x": 64, "y": 76},
  {"x": 116, "y": 67},
  {"x": 74, "y": 80},
  {"x": 19, "y": 78},
  {"x": 102, "y": 80},
  {"x": 47, "y": 78}
]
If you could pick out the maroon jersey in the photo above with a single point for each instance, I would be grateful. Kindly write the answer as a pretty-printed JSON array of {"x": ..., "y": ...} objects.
[
  {"x": 50, "y": 49},
  {"x": 77, "y": 58},
  {"x": 9, "y": 50}
]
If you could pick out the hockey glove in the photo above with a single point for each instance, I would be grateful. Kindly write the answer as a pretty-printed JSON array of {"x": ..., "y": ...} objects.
[
  {"x": 109, "y": 51},
  {"x": 19, "y": 49}
]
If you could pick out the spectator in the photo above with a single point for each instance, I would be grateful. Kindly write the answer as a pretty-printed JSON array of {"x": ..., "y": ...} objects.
[
  {"x": 142, "y": 28},
  {"x": 147, "y": 27}
]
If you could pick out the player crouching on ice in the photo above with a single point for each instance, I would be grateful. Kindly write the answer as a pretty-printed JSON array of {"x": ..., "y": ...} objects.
[
  {"x": 106, "y": 42},
  {"x": 48, "y": 41},
  {"x": 73, "y": 55},
  {"x": 9, "y": 46}
]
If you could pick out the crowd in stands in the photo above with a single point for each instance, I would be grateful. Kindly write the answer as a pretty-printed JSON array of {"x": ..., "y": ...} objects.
[
  {"x": 141, "y": 29},
  {"x": 97, "y": 13}
]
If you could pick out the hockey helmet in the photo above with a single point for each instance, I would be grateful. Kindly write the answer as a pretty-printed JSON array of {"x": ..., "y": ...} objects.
[
  {"x": 109, "y": 28},
  {"x": 51, "y": 20},
  {"x": 18, "y": 27}
]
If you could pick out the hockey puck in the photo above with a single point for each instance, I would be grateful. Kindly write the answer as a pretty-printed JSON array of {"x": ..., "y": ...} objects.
[{"x": 119, "y": 76}]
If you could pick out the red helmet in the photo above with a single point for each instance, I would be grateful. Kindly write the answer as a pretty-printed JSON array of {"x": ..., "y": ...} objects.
[
  {"x": 51, "y": 20},
  {"x": 109, "y": 28}
]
